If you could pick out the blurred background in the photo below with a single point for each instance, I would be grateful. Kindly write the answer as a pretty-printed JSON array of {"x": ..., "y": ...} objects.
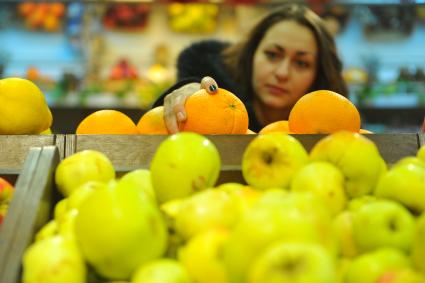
[{"x": 89, "y": 55}]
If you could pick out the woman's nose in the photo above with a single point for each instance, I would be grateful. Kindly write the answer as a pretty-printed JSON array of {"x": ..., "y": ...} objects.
[{"x": 282, "y": 69}]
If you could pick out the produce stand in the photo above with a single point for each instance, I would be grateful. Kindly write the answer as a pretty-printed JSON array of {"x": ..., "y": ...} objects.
[{"x": 36, "y": 193}]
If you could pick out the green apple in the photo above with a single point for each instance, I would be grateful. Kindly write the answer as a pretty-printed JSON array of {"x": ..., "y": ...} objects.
[
  {"x": 80, "y": 167},
  {"x": 325, "y": 180},
  {"x": 245, "y": 196},
  {"x": 418, "y": 248},
  {"x": 205, "y": 210},
  {"x": 141, "y": 180},
  {"x": 290, "y": 217},
  {"x": 341, "y": 268},
  {"x": 356, "y": 156},
  {"x": 162, "y": 270},
  {"x": 201, "y": 256},
  {"x": 343, "y": 224},
  {"x": 271, "y": 160},
  {"x": 406, "y": 275},
  {"x": 421, "y": 153},
  {"x": 119, "y": 229},
  {"x": 80, "y": 194},
  {"x": 48, "y": 230},
  {"x": 358, "y": 202},
  {"x": 60, "y": 209},
  {"x": 184, "y": 163},
  {"x": 54, "y": 259},
  {"x": 410, "y": 160},
  {"x": 369, "y": 267},
  {"x": 293, "y": 263},
  {"x": 383, "y": 223},
  {"x": 404, "y": 183}
]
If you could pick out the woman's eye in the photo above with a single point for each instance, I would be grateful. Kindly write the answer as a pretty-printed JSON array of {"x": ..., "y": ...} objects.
[
  {"x": 271, "y": 55},
  {"x": 302, "y": 64}
]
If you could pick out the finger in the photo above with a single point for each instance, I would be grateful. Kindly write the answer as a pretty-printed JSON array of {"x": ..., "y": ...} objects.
[
  {"x": 180, "y": 112},
  {"x": 171, "y": 123},
  {"x": 209, "y": 84},
  {"x": 170, "y": 117}
]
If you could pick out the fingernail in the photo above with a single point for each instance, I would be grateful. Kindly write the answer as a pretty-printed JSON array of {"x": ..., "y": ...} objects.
[
  {"x": 213, "y": 88},
  {"x": 180, "y": 116}
]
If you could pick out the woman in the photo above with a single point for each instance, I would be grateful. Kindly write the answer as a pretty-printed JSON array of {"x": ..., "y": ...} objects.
[{"x": 287, "y": 54}]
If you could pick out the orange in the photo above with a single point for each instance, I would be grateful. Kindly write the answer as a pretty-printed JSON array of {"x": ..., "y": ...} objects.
[
  {"x": 250, "y": 132},
  {"x": 152, "y": 122},
  {"x": 278, "y": 126},
  {"x": 220, "y": 113},
  {"x": 322, "y": 112},
  {"x": 107, "y": 122}
]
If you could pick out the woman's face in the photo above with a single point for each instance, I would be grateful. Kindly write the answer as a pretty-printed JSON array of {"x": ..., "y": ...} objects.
[{"x": 284, "y": 66}]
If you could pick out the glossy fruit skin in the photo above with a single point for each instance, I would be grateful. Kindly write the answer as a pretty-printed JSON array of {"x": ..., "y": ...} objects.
[
  {"x": 304, "y": 262},
  {"x": 81, "y": 167},
  {"x": 184, "y": 163},
  {"x": 161, "y": 271},
  {"x": 119, "y": 229},
  {"x": 356, "y": 156},
  {"x": 271, "y": 160},
  {"x": 54, "y": 259}
]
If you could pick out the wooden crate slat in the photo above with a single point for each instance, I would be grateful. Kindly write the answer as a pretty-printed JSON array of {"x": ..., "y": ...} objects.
[
  {"x": 14, "y": 149},
  {"x": 128, "y": 152},
  {"x": 35, "y": 212},
  {"x": 17, "y": 206}
]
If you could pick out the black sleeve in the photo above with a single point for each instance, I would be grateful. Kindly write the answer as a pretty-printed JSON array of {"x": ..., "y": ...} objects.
[{"x": 197, "y": 61}]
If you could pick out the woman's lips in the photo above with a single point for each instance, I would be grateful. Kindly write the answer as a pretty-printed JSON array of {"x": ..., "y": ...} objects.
[{"x": 275, "y": 90}]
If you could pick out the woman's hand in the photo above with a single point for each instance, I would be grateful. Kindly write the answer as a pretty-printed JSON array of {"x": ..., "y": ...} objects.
[{"x": 174, "y": 112}]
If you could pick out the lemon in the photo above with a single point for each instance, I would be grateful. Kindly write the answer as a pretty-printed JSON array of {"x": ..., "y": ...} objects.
[{"x": 23, "y": 107}]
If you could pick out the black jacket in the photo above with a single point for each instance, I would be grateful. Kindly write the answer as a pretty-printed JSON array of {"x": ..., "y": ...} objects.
[{"x": 203, "y": 59}]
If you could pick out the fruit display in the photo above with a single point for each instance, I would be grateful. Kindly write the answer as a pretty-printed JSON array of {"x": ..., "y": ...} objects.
[
  {"x": 335, "y": 213},
  {"x": 6, "y": 194},
  {"x": 126, "y": 16},
  {"x": 193, "y": 17},
  {"x": 42, "y": 16}
]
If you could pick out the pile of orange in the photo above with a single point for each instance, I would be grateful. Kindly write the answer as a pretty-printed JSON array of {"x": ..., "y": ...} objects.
[
  {"x": 320, "y": 112},
  {"x": 107, "y": 121}
]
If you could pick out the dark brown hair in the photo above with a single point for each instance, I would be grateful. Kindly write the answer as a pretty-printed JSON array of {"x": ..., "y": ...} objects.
[{"x": 239, "y": 57}]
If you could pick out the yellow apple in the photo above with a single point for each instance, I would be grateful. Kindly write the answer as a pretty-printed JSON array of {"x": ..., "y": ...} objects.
[
  {"x": 293, "y": 263},
  {"x": 356, "y": 156},
  {"x": 118, "y": 229},
  {"x": 418, "y": 248},
  {"x": 290, "y": 217},
  {"x": 161, "y": 271},
  {"x": 54, "y": 259},
  {"x": 404, "y": 183},
  {"x": 383, "y": 223},
  {"x": 206, "y": 210},
  {"x": 184, "y": 163},
  {"x": 81, "y": 167},
  {"x": 325, "y": 180},
  {"x": 271, "y": 160},
  {"x": 201, "y": 256},
  {"x": 369, "y": 267}
]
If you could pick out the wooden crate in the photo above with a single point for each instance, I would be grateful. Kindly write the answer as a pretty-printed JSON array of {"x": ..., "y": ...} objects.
[
  {"x": 129, "y": 152},
  {"x": 28, "y": 210}
]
